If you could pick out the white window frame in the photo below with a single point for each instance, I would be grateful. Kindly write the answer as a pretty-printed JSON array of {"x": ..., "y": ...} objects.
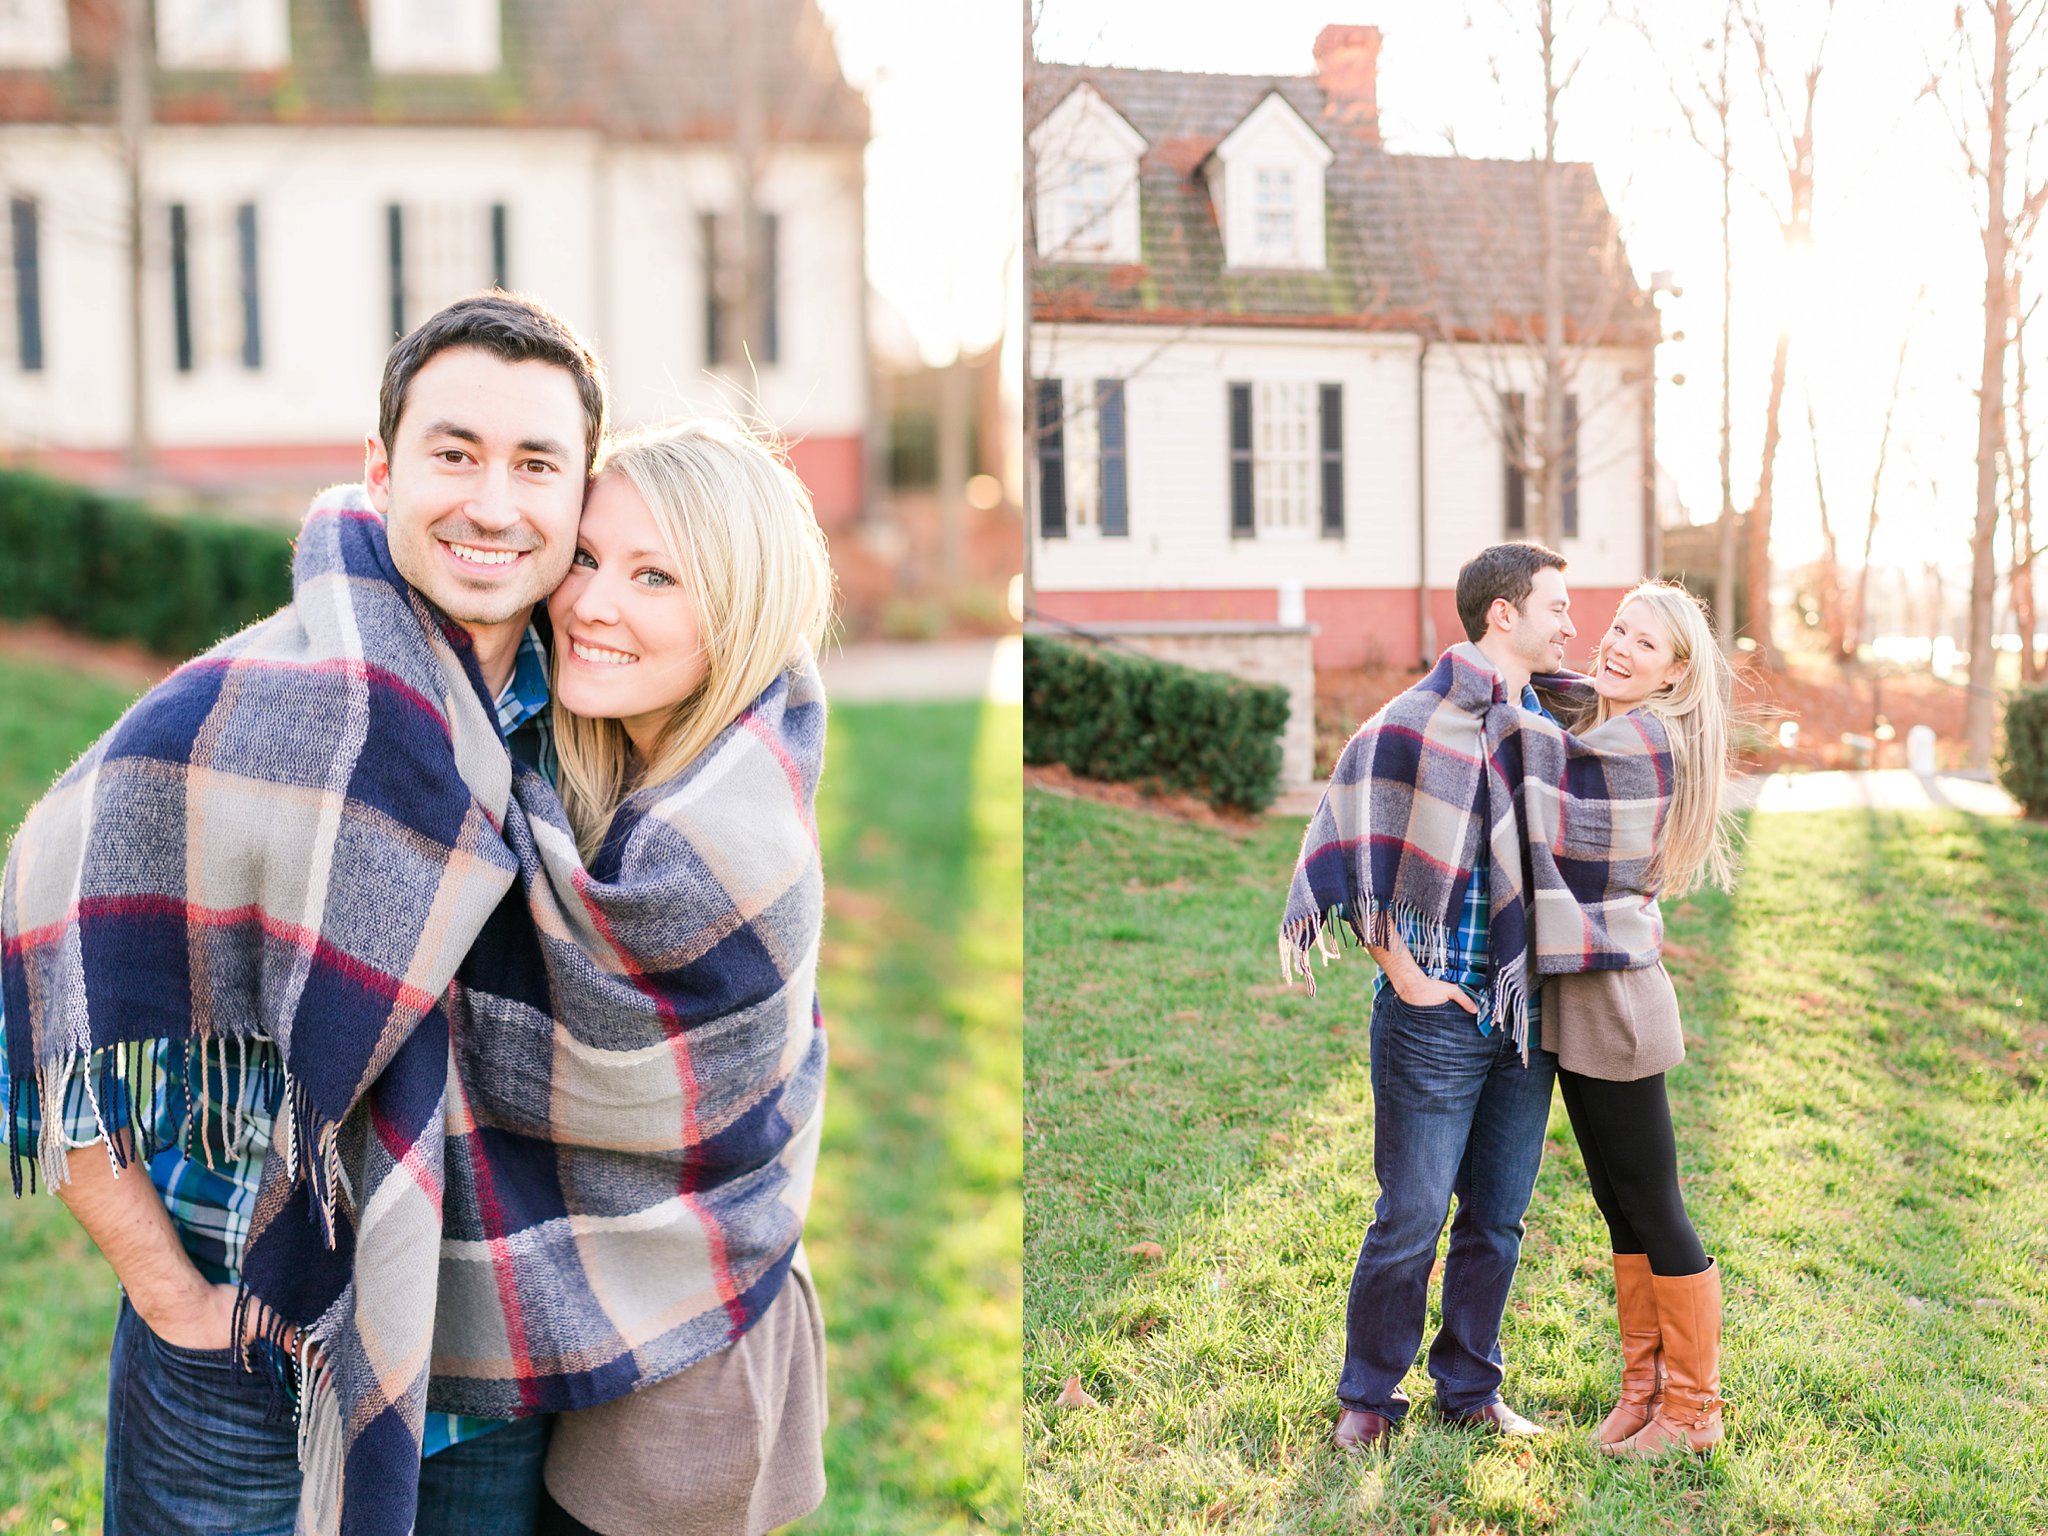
[
  {"x": 223, "y": 34},
  {"x": 1086, "y": 202},
  {"x": 1287, "y": 459},
  {"x": 1271, "y": 140},
  {"x": 436, "y": 37}
]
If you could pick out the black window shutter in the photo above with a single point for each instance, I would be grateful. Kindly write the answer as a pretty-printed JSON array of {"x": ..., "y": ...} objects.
[
  {"x": 714, "y": 337},
  {"x": 252, "y": 307},
  {"x": 1242, "y": 524},
  {"x": 394, "y": 244},
  {"x": 771, "y": 282},
  {"x": 181, "y": 290},
  {"x": 28, "y": 285},
  {"x": 501, "y": 254},
  {"x": 1052, "y": 461},
  {"x": 1333, "y": 460},
  {"x": 1514, "y": 438},
  {"x": 1116, "y": 511},
  {"x": 1571, "y": 466}
]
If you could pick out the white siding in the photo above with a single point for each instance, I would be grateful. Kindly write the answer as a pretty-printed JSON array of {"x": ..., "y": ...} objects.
[
  {"x": 613, "y": 250},
  {"x": 1176, "y": 404}
]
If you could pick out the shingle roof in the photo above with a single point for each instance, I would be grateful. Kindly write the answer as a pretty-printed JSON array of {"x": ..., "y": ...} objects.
[
  {"x": 1415, "y": 242},
  {"x": 639, "y": 69}
]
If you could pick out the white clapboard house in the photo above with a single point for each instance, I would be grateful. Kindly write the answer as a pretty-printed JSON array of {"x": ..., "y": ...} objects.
[
  {"x": 1276, "y": 367},
  {"x": 320, "y": 175}
]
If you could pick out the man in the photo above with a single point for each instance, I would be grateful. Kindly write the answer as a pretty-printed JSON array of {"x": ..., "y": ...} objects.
[
  {"x": 1457, "y": 1110},
  {"x": 490, "y": 416}
]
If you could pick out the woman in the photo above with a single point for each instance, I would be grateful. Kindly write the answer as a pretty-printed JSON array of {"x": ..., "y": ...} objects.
[
  {"x": 699, "y": 584},
  {"x": 1616, "y": 1032}
]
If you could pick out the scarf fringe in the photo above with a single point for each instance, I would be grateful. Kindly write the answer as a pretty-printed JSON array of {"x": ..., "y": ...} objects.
[
  {"x": 1429, "y": 939},
  {"x": 1511, "y": 1003},
  {"x": 122, "y": 1083}
]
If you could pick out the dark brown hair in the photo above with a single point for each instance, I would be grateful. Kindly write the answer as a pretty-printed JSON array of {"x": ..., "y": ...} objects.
[
  {"x": 518, "y": 330},
  {"x": 1499, "y": 570}
]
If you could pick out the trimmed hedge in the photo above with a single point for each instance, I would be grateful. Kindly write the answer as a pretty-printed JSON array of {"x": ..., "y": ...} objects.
[
  {"x": 109, "y": 568},
  {"x": 1112, "y": 715},
  {"x": 2023, "y": 766}
]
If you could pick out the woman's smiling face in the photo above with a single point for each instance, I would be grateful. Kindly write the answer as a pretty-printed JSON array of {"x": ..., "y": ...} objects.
[
  {"x": 627, "y": 643},
  {"x": 1636, "y": 657}
]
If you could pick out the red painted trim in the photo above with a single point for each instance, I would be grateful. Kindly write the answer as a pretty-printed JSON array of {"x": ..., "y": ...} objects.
[{"x": 1053, "y": 308}]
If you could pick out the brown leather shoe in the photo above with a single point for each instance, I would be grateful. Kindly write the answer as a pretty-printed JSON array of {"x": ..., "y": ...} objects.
[
  {"x": 1360, "y": 1430},
  {"x": 1499, "y": 1417},
  {"x": 1642, "y": 1363}
]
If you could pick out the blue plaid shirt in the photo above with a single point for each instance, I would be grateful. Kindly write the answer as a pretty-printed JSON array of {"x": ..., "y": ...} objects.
[
  {"x": 1470, "y": 963},
  {"x": 208, "y": 1179}
]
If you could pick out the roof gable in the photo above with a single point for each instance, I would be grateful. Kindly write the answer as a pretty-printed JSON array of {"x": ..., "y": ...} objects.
[
  {"x": 1084, "y": 112},
  {"x": 1274, "y": 119}
]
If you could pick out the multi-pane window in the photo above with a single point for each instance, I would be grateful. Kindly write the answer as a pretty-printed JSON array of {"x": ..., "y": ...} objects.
[
  {"x": 1273, "y": 213},
  {"x": 25, "y": 232},
  {"x": 1083, "y": 463},
  {"x": 1087, "y": 209},
  {"x": 215, "y": 308},
  {"x": 1286, "y": 459},
  {"x": 1522, "y": 458},
  {"x": 436, "y": 253},
  {"x": 721, "y": 268}
]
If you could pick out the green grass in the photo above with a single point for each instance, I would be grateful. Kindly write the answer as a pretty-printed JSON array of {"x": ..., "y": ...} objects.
[
  {"x": 1860, "y": 1120},
  {"x": 915, "y": 1222}
]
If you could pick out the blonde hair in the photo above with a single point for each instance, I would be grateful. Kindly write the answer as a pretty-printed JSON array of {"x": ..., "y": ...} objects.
[
  {"x": 751, "y": 558},
  {"x": 1697, "y": 847}
]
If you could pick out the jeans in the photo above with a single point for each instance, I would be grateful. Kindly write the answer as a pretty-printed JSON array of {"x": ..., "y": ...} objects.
[
  {"x": 188, "y": 1451},
  {"x": 189, "y": 1454},
  {"x": 1455, "y": 1113}
]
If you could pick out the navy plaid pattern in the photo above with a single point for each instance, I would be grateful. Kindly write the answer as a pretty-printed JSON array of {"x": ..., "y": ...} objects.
[
  {"x": 1471, "y": 963},
  {"x": 209, "y": 1184}
]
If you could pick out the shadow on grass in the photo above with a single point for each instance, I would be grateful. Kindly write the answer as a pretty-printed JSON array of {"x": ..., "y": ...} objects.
[
  {"x": 1885, "y": 1369},
  {"x": 913, "y": 1225}
]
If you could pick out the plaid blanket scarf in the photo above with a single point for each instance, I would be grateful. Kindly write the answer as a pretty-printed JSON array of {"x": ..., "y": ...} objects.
[
  {"x": 305, "y": 835},
  {"x": 1570, "y": 820}
]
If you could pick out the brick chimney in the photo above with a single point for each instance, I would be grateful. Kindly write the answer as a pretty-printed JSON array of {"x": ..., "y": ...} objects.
[{"x": 1347, "y": 68}]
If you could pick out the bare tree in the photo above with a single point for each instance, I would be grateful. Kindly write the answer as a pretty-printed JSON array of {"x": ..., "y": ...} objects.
[
  {"x": 1479, "y": 301},
  {"x": 1790, "y": 117},
  {"x": 1978, "y": 94},
  {"x": 1853, "y": 638},
  {"x": 135, "y": 96}
]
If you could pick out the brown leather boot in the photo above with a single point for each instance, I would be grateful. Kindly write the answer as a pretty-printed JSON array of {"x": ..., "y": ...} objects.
[
  {"x": 1642, "y": 1369},
  {"x": 1689, "y": 1415}
]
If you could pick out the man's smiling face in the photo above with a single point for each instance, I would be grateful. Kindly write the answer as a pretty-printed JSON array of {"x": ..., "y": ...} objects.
[{"x": 483, "y": 485}]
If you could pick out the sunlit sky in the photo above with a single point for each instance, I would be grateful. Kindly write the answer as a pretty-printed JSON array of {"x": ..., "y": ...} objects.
[
  {"x": 944, "y": 82},
  {"x": 1894, "y": 214}
]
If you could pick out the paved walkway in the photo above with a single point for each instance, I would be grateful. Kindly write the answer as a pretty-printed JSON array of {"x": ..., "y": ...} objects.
[
  {"x": 1883, "y": 789},
  {"x": 917, "y": 670}
]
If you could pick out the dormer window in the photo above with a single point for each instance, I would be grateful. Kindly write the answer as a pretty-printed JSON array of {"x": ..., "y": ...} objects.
[
  {"x": 435, "y": 37},
  {"x": 222, "y": 34},
  {"x": 1273, "y": 222},
  {"x": 33, "y": 34},
  {"x": 1087, "y": 159},
  {"x": 1266, "y": 180},
  {"x": 1089, "y": 207}
]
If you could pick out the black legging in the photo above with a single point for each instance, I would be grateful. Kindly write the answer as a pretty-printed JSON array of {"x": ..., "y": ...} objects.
[{"x": 1624, "y": 1133}]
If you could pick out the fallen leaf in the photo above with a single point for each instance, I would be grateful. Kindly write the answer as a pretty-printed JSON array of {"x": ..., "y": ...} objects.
[
  {"x": 1074, "y": 1395},
  {"x": 13, "y": 1517},
  {"x": 1146, "y": 1251},
  {"x": 1220, "y": 1511}
]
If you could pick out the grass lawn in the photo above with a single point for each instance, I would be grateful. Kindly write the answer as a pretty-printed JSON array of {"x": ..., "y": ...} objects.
[
  {"x": 915, "y": 1222},
  {"x": 1860, "y": 1119}
]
